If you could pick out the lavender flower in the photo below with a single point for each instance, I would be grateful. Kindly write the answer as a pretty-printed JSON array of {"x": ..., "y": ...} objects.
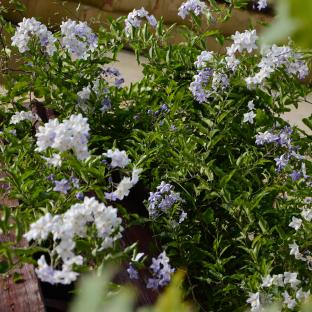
[
  {"x": 295, "y": 175},
  {"x": 161, "y": 271},
  {"x": 134, "y": 20},
  {"x": 195, "y": 6},
  {"x": 106, "y": 105},
  {"x": 78, "y": 39},
  {"x": 62, "y": 186},
  {"x": 200, "y": 81},
  {"x": 133, "y": 273},
  {"x": 162, "y": 200},
  {"x": 80, "y": 196},
  {"x": 281, "y": 162}
]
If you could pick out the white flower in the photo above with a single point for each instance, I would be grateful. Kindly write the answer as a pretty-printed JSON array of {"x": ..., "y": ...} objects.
[
  {"x": 55, "y": 160},
  {"x": 251, "y": 105},
  {"x": 204, "y": 57},
  {"x": 295, "y": 223},
  {"x": 23, "y": 115},
  {"x": 291, "y": 303},
  {"x": 291, "y": 278},
  {"x": 28, "y": 28},
  {"x": 125, "y": 185},
  {"x": 84, "y": 94},
  {"x": 243, "y": 41},
  {"x": 65, "y": 228},
  {"x": 78, "y": 39},
  {"x": 294, "y": 250},
  {"x": 254, "y": 301},
  {"x": 267, "y": 281},
  {"x": 278, "y": 280},
  {"x": 232, "y": 62},
  {"x": 249, "y": 117},
  {"x": 307, "y": 214},
  {"x": 119, "y": 158},
  {"x": 71, "y": 134},
  {"x": 40, "y": 229},
  {"x": 302, "y": 295}
]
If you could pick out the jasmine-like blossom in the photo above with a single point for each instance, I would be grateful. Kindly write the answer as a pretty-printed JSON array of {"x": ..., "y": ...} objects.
[
  {"x": 231, "y": 62},
  {"x": 161, "y": 271},
  {"x": 182, "y": 217},
  {"x": 262, "y": 4},
  {"x": 265, "y": 138},
  {"x": 106, "y": 105},
  {"x": 289, "y": 301},
  {"x": 23, "y": 115},
  {"x": 79, "y": 196},
  {"x": 295, "y": 175},
  {"x": 162, "y": 200},
  {"x": 295, "y": 223},
  {"x": 78, "y": 39},
  {"x": 276, "y": 57},
  {"x": 307, "y": 214},
  {"x": 291, "y": 278},
  {"x": 61, "y": 186},
  {"x": 119, "y": 158},
  {"x": 281, "y": 162},
  {"x": 204, "y": 57},
  {"x": 65, "y": 228},
  {"x": 55, "y": 160},
  {"x": 29, "y": 28},
  {"x": 133, "y": 273},
  {"x": 267, "y": 281},
  {"x": 124, "y": 186},
  {"x": 134, "y": 20},
  {"x": 71, "y": 134},
  {"x": 302, "y": 295},
  {"x": 243, "y": 41},
  {"x": 249, "y": 117},
  {"x": 195, "y": 6},
  {"x": 254, "y": 301},
  {"x": 294, "y": 250},
  {"x": 251, "y": 105}
]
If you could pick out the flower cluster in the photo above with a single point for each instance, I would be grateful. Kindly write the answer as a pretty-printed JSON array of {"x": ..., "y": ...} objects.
[
  {"x": 196, "y": 6},
  {"x": 68, "y": 226},
  {"x": 283, "y": 139},
  {"x": 134, "y": 19},
  {"x": 286, "y": 280},
  {"x": 78, "y": 39},
  {"x": 23, "y": 115},
  {"x": 278, "y": 57},
  {"x": 162, "y": 200},
  {"x": 243, "y": 41},
  {"x": 297, "y": 224},
  {"x": 161, "y": 270},
  {"x": 29, "y": 28},
  {"x": 71, "y": 134},
  {"x": 119, "y": 158}
]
